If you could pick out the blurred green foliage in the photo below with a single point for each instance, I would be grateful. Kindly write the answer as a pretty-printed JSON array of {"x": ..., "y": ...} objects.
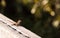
[{"x": 39, "y": 16}]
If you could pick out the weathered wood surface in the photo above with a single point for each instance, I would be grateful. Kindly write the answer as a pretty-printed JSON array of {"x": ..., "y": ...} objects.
[{"x": 8, "y": 30}]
